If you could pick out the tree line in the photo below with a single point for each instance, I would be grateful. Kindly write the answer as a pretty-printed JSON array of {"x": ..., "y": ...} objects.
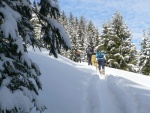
[{"x": 115, "y": 40}]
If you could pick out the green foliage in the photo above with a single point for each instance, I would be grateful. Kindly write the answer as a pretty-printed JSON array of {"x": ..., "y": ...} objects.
[
  {"x": 144, "y": 56},
  {"x": 21, "y": 74},
  {"x": 116, "y": 43},
  {"x": 51, "y": 36},
  {"x": 80, "y": 33},
  {"x": 146, "y": 68},
  {"x": 15, "y": 65}
]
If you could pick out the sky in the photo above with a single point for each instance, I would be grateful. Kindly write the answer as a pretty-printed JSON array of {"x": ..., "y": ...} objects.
[
  {"x": 70, "y": 87},
  {"x": 136, "y": 13}
]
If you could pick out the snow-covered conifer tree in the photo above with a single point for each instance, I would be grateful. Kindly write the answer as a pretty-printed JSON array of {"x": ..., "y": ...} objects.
[
  {"x": 65, "y": 23},
  {"x": 19, "y": 76},
  {"x": 90, "y": 33},
  {"x": 82, "y": 35},
  {"x": 97, "y": 38},
  {"x": 72, "y": 35},
  {"x": 105, "y": 43},
  {"x": 35, "y": 21},
  {"x": 63, "y": 20},
  {"x": 144, "y": 56},
  {"x": 119, "y": 49},
  {"x": 71, "y": 26},
  {"x": 53, "y": 34}
]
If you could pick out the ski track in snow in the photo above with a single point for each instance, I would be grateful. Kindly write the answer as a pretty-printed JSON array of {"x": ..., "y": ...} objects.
[
  {"x": 100, "y": 98},
  {"x": 107, "y": 100},
  {"x": 116, "y": 94}
]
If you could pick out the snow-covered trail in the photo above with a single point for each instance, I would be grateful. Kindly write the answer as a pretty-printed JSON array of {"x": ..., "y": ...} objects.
[
  {"x": 107, "y": 101},
  {"x": 108, "y": 93},
  {"x": 70, "y": 87},
  {"x": 116, "y": 94},
  {"x": 100, "y": 98}
]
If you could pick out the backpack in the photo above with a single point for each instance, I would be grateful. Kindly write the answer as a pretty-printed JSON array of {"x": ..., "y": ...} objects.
[
  {"x": 77, "y": 52},
  {"x": 89, "y": 50},
  {"x": 100, "y": 55}
]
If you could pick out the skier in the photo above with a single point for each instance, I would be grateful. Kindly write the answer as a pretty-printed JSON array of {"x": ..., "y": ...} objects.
[
  {"x": 94, "y": 60},
  {"x": 77, "y": 55},
  {"x": 89, "y": 54},
  {"x": 100, "y": 56}
]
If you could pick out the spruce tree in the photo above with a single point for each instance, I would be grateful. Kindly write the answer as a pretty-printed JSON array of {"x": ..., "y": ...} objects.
[
  {"x": 105, "y": 39},
  {"x": 63, "y": 20},
  {"x": 35, "y": 21},
  {"x": 65, "y": 23},
  {"x": 107, "y": 43},
  {"x": 71, "y": 27},
  {"x": 144, "y": 56},
  {"x": 53, "y": 34},
  {"x": 19, "y": 76},
  {"x": 97, "y": 38},
  {"x": 72, "y": 36},
  {"x": 117, "y": 44},
  {"x": 89, "y": 36},
  {"x": 82, "y": 36},
  {"x": 92, "y": 35}
]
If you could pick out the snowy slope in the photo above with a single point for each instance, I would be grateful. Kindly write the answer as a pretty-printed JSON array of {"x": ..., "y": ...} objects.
[{"x": 70, "y": 87}]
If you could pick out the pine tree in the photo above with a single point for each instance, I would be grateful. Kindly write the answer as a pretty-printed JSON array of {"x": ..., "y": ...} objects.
[
  {"x": 53, "y": 35},
  {"x": 92, "y": 38},
  {"x": 82, "y": 35},
  {"x": 105, "y": 39},
  {"x": 97, "y": 38},
  {"x": 19, "y": 76},
  {"x": 117, "y": 44},
  {"x": 72, "y": 36},
  {"x": 35, "y": 21},
  {"x": 64, "y": 21},
  {"x": 90, "y": 33},
  {"x": 144, "y": 58}
]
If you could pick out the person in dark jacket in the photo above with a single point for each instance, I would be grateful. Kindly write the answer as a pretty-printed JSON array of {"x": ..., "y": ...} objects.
[{"x": 89, "y": 54}]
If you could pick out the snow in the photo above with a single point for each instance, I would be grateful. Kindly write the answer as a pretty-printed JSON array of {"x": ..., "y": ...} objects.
[
  {"x": 70, "y": 87},
  {"x": 53, "y": 4},
  {"x": 26, "y": 3},
  {"x": 4, "y": 60},
  {"x": 111, "y": 43},
  {"x": 62, "y": 32},
  {"x": 9, "y": 26},
  {"x": 14, "y": 99}
]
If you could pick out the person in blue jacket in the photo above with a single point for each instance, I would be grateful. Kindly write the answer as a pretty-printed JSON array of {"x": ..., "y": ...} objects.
[{"x": 100, "y": 56}]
